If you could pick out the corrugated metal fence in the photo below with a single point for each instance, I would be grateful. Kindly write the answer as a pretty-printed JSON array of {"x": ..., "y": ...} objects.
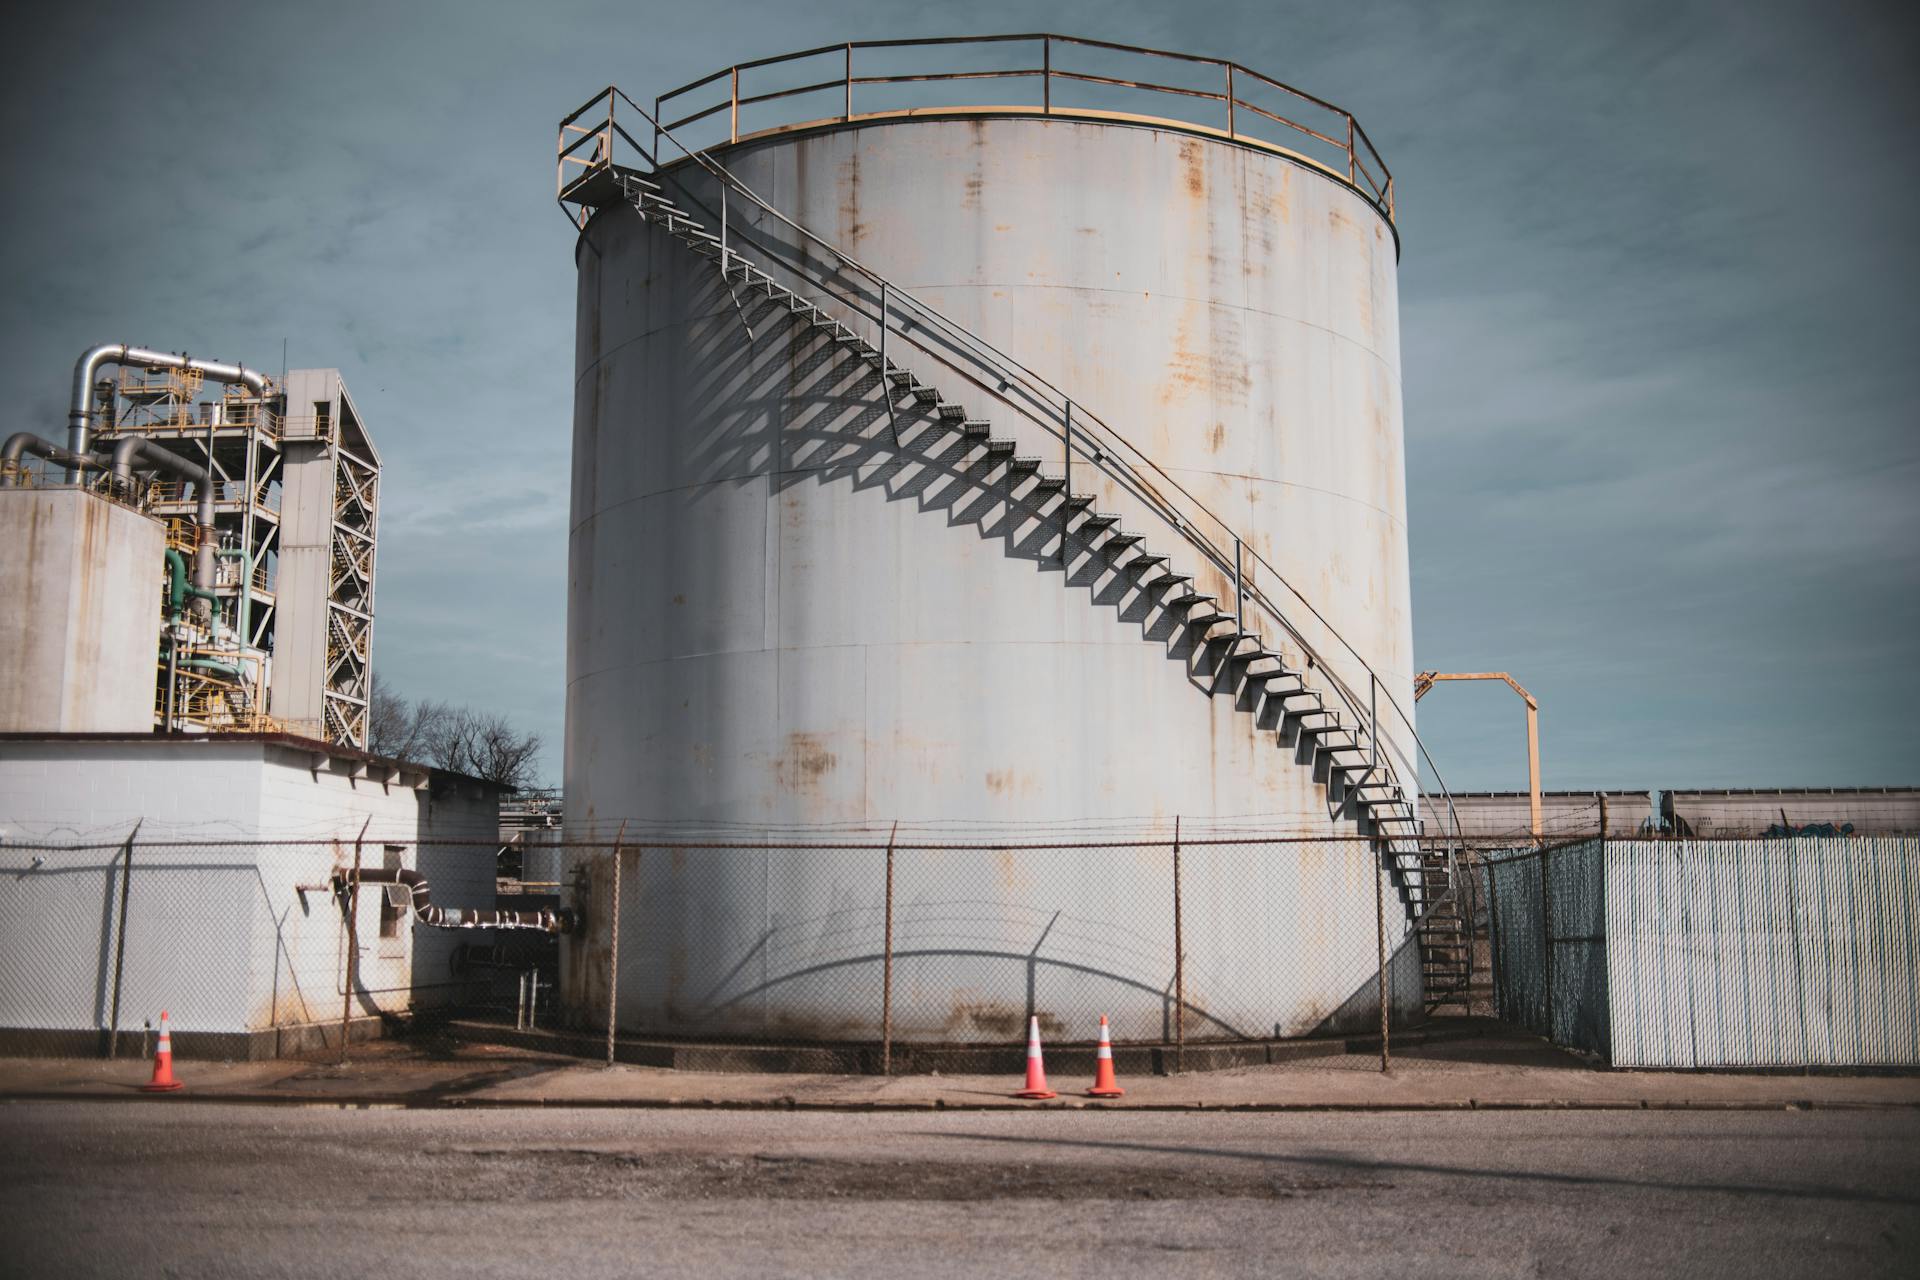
[{"x": 1714, "y": 953}]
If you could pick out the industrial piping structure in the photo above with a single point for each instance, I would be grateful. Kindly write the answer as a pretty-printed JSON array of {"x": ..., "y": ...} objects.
[
  {"x": 88, "y": 366},
  {"x": 756, "y": 407},
  {"x": 283, "y": 512},
  {"x": 420, "y": 898}
]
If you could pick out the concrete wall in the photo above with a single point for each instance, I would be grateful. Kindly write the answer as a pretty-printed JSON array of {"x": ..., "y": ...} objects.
[
  {"x": 306, "y": 551},
  {"x": 1506, "y": 817},
  {"x": 1871, "y": 810},
  {"x": 80, "y": 630},
  {"x": 219, "y": 930}
]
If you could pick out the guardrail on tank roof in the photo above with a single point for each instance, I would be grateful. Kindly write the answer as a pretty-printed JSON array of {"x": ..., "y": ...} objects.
[
  {"x": 1005, "y": 380},
  {"x": 1070, "y": 77}
]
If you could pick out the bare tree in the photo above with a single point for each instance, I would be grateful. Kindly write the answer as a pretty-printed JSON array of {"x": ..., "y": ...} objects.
[
  {"x": 389, "y": 720},
  {"x": 476, "y": 743}
]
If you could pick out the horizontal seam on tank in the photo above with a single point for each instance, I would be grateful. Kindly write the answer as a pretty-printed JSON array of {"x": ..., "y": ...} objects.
[
  {"x": 702, "y": 484},
  {"x": 1177, "y": 297},
  {"x": 641, "y": 337},
  {"x": 857, "y": 644},
  {"x": 805, "y": 471},
  {"x": 661, "y": 493},
  {"x": 1295, "y": 484}
]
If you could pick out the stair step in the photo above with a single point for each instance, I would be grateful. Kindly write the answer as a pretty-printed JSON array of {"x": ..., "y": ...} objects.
[{"x": 1423, "y": 883}]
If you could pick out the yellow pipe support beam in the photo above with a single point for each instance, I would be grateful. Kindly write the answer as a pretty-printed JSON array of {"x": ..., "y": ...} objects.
[{"x": 1423, "y": 684}]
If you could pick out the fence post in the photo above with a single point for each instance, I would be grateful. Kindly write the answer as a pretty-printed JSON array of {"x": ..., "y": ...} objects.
[
  {"x": 1380, "y": 942},
  {"x": 353, "y": 940},
  {"x": 613, "y": 950},
  {"x": 1546, "y": 936},
  {"x": 886, "y": 972},
  {"x": 120, "y": 943},
  {"x": 1179, "y": 963},
  {"x": 1493, "y": 939}
]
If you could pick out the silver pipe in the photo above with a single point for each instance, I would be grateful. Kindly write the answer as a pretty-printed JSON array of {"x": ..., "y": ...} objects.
[
  {"x": 26, "y": 442},
  {"x": 87, "y": 368},
  {"x": 130, "y": 447},
  {"x": 425, "y": 912}
]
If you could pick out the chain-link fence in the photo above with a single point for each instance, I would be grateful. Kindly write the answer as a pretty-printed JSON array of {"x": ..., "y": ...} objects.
[
  {"x": 878, "y": 946},
  {"x": 249, "y": 946},
  {"x": 1547, "y": 916},
  {"x": 1691, "y": 953}
]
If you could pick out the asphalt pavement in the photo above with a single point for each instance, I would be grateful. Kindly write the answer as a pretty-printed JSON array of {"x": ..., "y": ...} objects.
[{"x": 216, "y": 1190}]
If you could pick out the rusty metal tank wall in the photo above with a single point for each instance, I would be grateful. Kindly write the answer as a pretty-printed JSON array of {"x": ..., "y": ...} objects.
[{"x": 774, "y": 620}]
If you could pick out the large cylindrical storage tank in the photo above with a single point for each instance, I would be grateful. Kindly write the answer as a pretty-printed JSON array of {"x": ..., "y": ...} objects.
[{"x": 780, "y": 619}]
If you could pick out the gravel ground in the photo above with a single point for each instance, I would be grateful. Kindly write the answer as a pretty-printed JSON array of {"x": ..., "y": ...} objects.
[{"x": 211, "y": 1190}]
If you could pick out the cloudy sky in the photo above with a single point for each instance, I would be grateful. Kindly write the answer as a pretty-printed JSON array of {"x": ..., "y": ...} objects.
[{"x": 1657, "y": 289}]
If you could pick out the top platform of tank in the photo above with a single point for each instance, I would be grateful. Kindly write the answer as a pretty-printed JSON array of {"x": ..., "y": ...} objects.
[{"x": 1064, "y": 77}]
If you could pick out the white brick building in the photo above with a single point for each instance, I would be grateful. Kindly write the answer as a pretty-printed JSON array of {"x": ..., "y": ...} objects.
[{"x": 220, "y": 931}]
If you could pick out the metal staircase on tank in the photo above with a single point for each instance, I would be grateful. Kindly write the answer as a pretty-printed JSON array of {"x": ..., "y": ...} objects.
[{"x": 1424, "y": 877}]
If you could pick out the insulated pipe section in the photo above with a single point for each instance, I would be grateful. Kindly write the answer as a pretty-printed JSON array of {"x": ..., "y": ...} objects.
[
  {"x": 26, "y": 442},
  {"x": 152, "y": 455},
  {"x": 561, "y": 921},
  {"x": 87, "y": 369}
]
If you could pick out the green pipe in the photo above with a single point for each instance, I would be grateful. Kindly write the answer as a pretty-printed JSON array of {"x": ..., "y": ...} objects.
[{"x": 179, "y": 590}]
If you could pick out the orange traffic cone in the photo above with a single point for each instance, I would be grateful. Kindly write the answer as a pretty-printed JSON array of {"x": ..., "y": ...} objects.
[
  {"x": 163, "y": 1081},
  {"x": 1104, "y": 1085},
  {"x": 1036, "y": 1066}
]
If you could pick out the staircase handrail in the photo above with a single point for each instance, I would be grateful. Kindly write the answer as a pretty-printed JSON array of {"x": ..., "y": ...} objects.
[{"x": 1073, "y": 413}]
